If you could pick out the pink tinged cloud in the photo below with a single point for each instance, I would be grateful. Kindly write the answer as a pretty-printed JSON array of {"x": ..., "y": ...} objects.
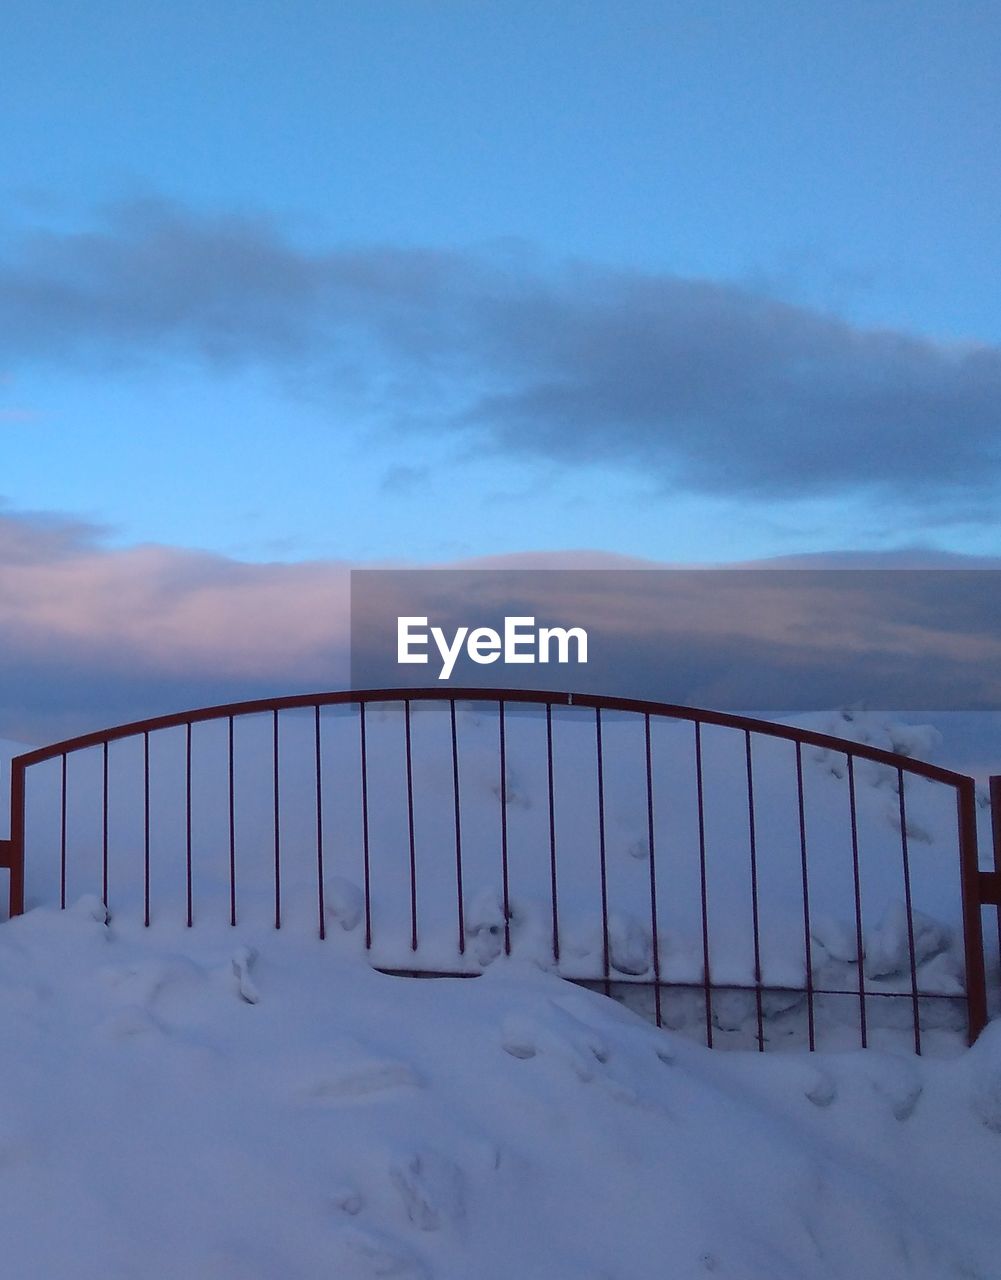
[
  {"x": 173, "y": 611},
  {"x": 157, "y": 624}
]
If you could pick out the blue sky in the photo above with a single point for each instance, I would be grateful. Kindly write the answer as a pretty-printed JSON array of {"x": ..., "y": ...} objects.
[{"x": 431, "y": 280}]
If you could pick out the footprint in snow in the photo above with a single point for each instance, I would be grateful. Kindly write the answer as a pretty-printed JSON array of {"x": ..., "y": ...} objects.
[
  {"x": 562, "y": 1037},
  {"x": 820, "y": 1088},
  {"x": 432, "y": 1189},
  {"x": 347, "y": 1199},
  {"x": 899, "y": 1085}
]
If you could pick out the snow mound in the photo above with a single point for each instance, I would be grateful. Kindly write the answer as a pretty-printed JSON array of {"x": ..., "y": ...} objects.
[{"x": 200, "y": 1103}]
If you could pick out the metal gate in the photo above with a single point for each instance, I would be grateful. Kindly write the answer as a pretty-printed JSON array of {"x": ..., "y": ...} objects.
[{"x": 677, "y": 858}]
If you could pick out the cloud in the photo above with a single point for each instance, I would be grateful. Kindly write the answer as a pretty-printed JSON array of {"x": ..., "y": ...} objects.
[
  {"x": 93, "y": 634},
  {"x": 696, "y": 384}
]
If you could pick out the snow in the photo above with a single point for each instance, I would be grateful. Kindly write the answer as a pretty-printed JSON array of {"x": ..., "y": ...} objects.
[
  {"x": 244, "y": 1104},
  {"x": 207, "y": 1104}
]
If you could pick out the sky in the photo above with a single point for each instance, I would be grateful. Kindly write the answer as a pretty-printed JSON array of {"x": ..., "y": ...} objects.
[{"x": 291, "y": 287}]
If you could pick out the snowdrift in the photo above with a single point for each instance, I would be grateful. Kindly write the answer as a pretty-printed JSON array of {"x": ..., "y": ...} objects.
[{"x": 191, "y": 1106}]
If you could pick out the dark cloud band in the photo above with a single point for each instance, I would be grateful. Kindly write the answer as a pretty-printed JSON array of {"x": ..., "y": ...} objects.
[{"x": 696, "y": 384}]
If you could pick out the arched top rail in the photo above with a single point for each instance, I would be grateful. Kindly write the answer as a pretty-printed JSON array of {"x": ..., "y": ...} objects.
[{"x": 539, "y": 697}]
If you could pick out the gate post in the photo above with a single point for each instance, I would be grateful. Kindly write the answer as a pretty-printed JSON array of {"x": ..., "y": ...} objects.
[
  {"x": 991, "y": 881},
  {"x": 973, "y": 888},
  {"x": 12, "y": 850}
]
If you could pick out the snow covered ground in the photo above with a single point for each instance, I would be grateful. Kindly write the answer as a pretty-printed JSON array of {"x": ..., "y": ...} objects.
[
  {"x": 177, "y": 1105},
  {"x": 222, "y": 1104}
]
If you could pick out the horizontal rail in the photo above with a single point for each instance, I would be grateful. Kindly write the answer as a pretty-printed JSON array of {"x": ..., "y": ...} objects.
[{"x": 694, "y": 988}]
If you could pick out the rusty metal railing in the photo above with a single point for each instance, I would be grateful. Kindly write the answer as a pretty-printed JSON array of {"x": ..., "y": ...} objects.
[{"x": 977, "y": 887}]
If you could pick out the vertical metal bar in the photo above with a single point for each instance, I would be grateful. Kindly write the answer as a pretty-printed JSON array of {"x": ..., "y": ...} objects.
[
  {"x": 910, "y": 911},
  {"x": 278, "y": 828},
  {"x": 806, "y": 897},
  {"x": 505, "y": 885},
  {"x": 703, "y": 878},
  {"x": 364, "y": 827},
  {"x": 104, "y": 825},
  {"x": 17, "y": 790},
  {"x": 653, "y": 872},
  {"x": 62, "y": 837},
  {"x": 602, "y": 853},
  {"x": 973, "y": 939},
  {"x": 319, "y": 828},
  {"x": 187, "y": 815},
  {"x": 146, "y": 916},
  {"x": 754, "y": 893},
  {"x": 458, "y": 829},
  {"x": 859, "y": 941},
  {"x": 552, "y": 832},
  {"x": 410, "y": 825},
  {"x": 232, "y": 826}
]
